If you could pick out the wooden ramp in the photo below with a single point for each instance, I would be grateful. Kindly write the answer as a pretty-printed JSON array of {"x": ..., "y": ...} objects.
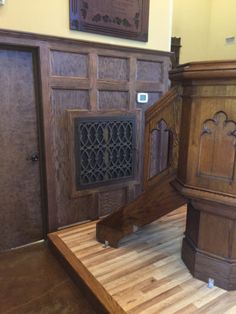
[{"x": 145, "y": 274}]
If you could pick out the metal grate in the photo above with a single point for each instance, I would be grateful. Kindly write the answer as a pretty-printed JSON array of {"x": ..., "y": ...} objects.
[{"x": 104, "y": 150}]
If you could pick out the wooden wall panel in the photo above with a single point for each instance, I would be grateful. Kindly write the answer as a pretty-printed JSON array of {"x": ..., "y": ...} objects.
[
  {"x": 149, "y": 71},
  {"x": 114, "y": 78},
  {"x": 72, "y": 210},
  {"x": 65, "y": 98},
  {"x": 112, "y": 200},
  {"x": 108, "y": 100},
  {"x": 95, "y": 78},
  {"x": 233, "y": 241},
  {"x": 112, "y": 68},
  {"x": 209, "y": 237},
  {"x": 192, "y": 223},
  {"x": 69, "y": 64}
]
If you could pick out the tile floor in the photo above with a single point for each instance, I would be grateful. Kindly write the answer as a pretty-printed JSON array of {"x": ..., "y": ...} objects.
[{"x": 33, "y": 282}]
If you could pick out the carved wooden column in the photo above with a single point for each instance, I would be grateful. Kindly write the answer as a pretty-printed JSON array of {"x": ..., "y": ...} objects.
[{"x": 207, "y": 171}]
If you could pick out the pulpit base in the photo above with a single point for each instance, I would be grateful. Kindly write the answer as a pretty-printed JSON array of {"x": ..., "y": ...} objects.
[
  {"x": 208, "y": 249},
  {"x": 203, "y": 267}
]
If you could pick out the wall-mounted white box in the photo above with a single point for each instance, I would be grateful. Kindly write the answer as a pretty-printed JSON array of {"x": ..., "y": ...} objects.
[
  {"x": 142, "y": 98},
  {"x": 2, "y": 2}
]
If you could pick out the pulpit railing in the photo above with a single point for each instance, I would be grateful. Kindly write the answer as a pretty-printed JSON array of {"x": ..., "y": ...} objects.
[{"x": 162, "y": 123}]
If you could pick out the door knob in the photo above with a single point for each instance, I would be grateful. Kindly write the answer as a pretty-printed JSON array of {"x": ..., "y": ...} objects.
[{"x": 34, "y": 157}]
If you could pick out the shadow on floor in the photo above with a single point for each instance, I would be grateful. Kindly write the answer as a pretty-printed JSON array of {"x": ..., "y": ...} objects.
[{"x": 32, "y": 281}]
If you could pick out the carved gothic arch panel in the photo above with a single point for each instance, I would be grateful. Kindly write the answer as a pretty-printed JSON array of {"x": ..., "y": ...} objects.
[
  {"x": 160, "y": 148},
  {"x": 217, "y": 148}
]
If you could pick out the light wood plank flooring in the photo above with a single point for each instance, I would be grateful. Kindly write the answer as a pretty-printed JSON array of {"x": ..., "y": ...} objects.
[{"x": 145, "y": 274}]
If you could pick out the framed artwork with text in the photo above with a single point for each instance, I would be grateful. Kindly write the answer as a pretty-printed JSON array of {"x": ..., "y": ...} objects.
[{"x": 118, "y": 18}]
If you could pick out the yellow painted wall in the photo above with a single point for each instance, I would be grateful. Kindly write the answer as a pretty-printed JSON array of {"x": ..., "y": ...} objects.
[
  {"x": 223, "y": 14},
  {"x": 51, "y": 17},
  {"x": 203, "y": 26},
  {"x": 191, "y": 23}
]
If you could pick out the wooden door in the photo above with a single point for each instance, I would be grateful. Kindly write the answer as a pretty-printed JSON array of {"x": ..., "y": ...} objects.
[{"x": 20, "y": 191}]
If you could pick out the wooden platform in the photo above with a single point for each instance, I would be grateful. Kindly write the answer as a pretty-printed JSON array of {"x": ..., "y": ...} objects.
[{"x": 145, "y": 274}]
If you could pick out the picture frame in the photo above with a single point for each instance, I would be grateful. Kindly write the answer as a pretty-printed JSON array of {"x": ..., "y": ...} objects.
[{"x": 118, "y": 18}]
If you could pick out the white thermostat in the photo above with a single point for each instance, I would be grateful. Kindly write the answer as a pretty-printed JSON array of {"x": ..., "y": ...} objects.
[
  {"x": 2, "y": 2},
  {"x": 142, "y": 98}
]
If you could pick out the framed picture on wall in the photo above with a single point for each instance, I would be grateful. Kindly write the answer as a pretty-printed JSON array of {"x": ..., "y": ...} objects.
[{"x": 118, "y": 18}]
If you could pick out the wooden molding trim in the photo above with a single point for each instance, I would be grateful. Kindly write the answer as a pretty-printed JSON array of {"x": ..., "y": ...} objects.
[
  {"x": 62, "y": 40},
  {"x": 205, "y": 70},
  {"x": 207, "y": 266},
  {"x": 203, "y": 194},
  {"x": 208, "y": 254},
  {"x": 165, "y": 100}
]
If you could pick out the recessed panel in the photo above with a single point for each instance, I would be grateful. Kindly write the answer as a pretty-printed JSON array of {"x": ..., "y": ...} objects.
[
  {"x": 149, "y": 71},
  {"x": 111, "y": 200},
  {"x": 69, "y": 64},
  {"x": 113, "y": 68},
  {"x": 71, "y": 98},
  {"x": 211, "y": 241},
  {"x": 113, "y": 100},
  {"x": 217, "y": 141},
  {"x": 61, "y": 101},
  {"x": 82, "y": 208},
  {"x": 160, "y": 148}
]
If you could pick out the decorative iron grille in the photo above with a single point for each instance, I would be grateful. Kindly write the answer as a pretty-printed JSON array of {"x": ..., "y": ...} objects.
[{"x": 104, "y": 150}]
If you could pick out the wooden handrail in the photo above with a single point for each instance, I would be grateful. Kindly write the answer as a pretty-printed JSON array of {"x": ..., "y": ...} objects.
[
  {"x": 162, "y": 122},
  {"x": 167, "y": 109},
  {"x": 159, "y": 105}
]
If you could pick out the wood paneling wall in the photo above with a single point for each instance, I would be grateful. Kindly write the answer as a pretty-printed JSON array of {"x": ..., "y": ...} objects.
[{"x": 89, "y": 78}]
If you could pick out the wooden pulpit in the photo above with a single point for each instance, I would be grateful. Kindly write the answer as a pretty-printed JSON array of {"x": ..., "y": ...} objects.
[{"x": 206, "y": 173}]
